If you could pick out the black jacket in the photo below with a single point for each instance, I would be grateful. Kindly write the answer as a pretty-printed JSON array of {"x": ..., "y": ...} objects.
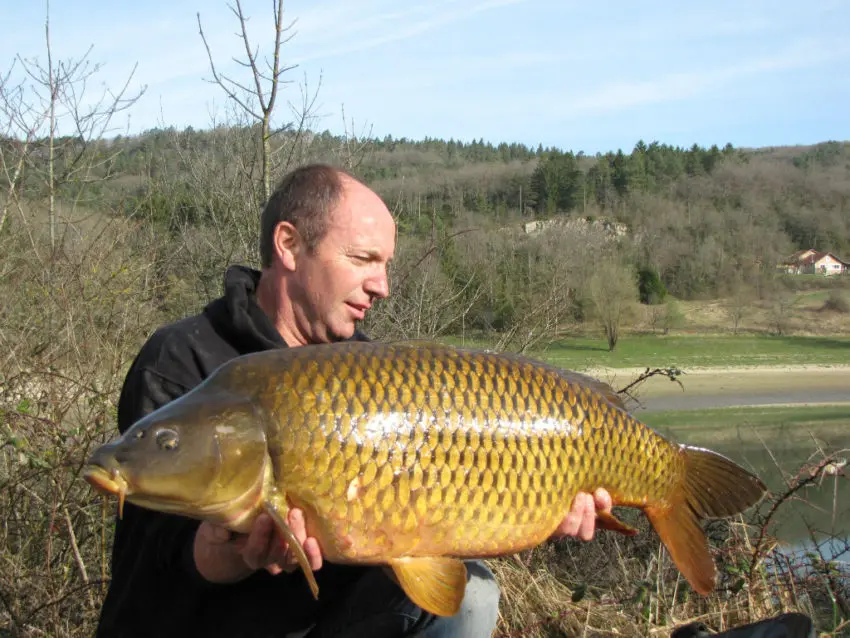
[{"x": 156, "y": 589}]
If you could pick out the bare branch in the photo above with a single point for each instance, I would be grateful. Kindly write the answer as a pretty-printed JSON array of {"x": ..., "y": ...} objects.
[
  {"x": 265, "y": 96},
  {"x": 219, "y": 79},
  {"x": 251, "y": 59}
]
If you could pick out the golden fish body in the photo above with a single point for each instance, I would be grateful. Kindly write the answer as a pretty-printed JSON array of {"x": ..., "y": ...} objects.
[
  {"x": 432, "y": 451},
  {"x": 415, "y": 457}
]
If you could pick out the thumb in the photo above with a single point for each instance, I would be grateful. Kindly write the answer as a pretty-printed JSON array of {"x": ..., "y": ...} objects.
[{"x": 215, "y": 533}]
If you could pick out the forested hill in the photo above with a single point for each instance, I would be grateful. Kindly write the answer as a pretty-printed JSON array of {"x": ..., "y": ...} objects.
[
  {"x": 707, "y": 216},
  {"x": 704, "y": 215}
]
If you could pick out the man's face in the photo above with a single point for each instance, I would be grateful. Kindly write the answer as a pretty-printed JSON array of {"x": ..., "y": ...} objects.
[{"x": 335, "y": 284}]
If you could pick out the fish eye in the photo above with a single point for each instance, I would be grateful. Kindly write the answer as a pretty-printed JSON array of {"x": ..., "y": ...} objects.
[{"x": 167, "y": 439}]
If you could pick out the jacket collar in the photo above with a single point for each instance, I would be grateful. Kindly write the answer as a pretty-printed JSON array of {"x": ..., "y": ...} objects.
[{"x": 241, "y": 320}]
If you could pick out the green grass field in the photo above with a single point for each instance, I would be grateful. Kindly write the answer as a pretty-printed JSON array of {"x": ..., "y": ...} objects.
[
  {"x": 691, "y": 351},
  {"x": 820, "y": 416}
]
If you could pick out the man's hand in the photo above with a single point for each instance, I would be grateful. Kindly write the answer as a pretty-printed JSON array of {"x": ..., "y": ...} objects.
[
  {"x": 224, "y": 557},
  {"x": 581, "y": 520}
]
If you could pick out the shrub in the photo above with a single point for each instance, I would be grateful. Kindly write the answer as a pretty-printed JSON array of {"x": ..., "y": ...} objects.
[
  {"x": 652, "y": 289},
  {"x": 837, "y": 302}
]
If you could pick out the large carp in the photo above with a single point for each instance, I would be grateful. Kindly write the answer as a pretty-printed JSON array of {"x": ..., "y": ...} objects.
[{"x": 416, "y": 457}]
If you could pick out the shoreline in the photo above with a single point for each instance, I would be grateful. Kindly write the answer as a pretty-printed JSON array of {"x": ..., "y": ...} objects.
[
  {"x": 763, "y": 406},
  {"x": 838, "y": 368},
  {"x": 810, "y": 384}
]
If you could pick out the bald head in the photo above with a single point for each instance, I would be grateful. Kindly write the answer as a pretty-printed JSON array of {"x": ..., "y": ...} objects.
[
  {"x": 305, "y": 198},
  {"x": 325, "y": 260}
]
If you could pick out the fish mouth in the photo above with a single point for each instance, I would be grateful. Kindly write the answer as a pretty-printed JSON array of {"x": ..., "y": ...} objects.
[{"x": 106, "y": 482}]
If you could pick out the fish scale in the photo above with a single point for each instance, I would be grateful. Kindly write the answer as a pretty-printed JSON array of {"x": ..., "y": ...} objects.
[
  {"x": 416, "y": 457},
  {"x": 522, "y": 460}
]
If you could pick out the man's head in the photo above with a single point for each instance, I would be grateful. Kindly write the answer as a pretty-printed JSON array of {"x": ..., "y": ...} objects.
[{"x": 326, "y": 241}]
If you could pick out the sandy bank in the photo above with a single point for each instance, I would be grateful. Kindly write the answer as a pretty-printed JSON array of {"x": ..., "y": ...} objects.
[{"x": 832, "y": 379}]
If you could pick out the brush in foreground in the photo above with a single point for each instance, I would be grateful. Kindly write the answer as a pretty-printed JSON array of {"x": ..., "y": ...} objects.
[{"x": 416, "y": 457}]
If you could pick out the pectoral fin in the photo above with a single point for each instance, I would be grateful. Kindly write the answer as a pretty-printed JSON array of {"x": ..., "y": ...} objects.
[
  {"x": 436, "y": 584},
  {"x": 278, "y": 514}
]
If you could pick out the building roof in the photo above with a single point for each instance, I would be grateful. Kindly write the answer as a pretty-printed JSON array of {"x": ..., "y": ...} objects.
[{"x": 811, "y": 256}]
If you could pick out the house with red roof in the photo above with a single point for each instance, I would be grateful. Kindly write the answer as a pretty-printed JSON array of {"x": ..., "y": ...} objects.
[{"x": 814, "y": 262}]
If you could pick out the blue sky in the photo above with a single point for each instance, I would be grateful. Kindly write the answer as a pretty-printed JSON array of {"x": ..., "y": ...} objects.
[{"x": 578, "y": 75}]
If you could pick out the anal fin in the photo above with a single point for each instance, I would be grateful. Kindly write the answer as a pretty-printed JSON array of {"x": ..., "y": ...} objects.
[
  {"x": 606, "y": 520},
  {"x": 436, "y": 584},
  {"x": 278, "y": 515}
]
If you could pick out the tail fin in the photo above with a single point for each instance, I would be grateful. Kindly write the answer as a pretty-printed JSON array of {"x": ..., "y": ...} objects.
[{"x": 713, "y": 486}]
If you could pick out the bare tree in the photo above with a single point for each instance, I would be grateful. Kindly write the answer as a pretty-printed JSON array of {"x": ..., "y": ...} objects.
[
  {"x": 258, "y": 96},
  {"x": 780, "y": 313},
  {"x": 354, "y": 148},
  {"x": 54, "y": 125},
  {"x": 738, "y": 305},
  {"x": 222, "y": 185},
  {"x": 673, "y": 316},
  {"x": 612, "y": 291},
  {"x": 74, "y": 306},
  {"x": 546, "y": 293},
  {"x": 425, "y": 303}
]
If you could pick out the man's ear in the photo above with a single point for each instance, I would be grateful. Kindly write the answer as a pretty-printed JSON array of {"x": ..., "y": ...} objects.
[{"x": 287, "y": 244}]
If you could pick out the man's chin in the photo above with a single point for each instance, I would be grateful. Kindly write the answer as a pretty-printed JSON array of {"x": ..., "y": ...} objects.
[{"x": 342, "y": 332}]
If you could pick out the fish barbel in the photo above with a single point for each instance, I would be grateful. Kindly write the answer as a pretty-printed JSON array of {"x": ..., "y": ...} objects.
[{"x": 416, "y": 457}]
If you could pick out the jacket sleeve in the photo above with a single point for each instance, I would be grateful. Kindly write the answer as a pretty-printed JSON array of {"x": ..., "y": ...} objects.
[{"x": 153, "y": 567}]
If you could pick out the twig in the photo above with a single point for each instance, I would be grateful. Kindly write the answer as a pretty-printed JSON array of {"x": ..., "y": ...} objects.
[
  {"x": 76, "y": 550},
  {"x": 795, "y": 486},
  {"x": 430, "y": 250},
  {"x": 16, "y": 620},
  {"x": 66, "y": 595},
  {"x": 671, "y": 373}
]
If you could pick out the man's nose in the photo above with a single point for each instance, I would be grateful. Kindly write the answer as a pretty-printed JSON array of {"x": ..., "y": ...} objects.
[{"x": 379, "y": 285}]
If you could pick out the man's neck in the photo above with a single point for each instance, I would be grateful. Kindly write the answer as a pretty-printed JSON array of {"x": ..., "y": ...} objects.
[{"x": 278, "y": 308}]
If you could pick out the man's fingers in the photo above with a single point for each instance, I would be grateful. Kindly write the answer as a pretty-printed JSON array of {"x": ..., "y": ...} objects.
[
  {"x": 289, "y": 563},
  {"x": 213, "y": 534},
  {"x": 257, "y": 547},
  {"x": 603, "y": 500},
  {"x": 314, "y": 553},
  {"x": 588, "y": 519},
  {"x": 281, "y": 558},
  {"x": 296, "y": 524},
  {"x": 581, "y": 504},
  {"x": 266, "y": 549},
  {"x": 579, "y": 513},
  {"x": 581, "y": 518},
  {"x": 569, "y": 526}
]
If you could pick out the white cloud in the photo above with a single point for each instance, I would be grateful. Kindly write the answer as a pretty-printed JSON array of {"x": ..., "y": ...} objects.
[
  {"x": 617, "y": 96},
  {"x": 389, "y": 26}
]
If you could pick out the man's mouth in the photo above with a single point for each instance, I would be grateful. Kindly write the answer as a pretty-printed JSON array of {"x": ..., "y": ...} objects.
[{"x": 359, "y": 309}]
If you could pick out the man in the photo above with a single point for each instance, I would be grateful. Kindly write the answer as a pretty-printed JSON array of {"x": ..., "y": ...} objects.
[{"x": 325, "y": 243}]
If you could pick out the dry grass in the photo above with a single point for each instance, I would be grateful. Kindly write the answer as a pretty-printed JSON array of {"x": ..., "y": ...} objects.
[
  {"x": 801, "y": 311},
  {"x": 73, "y": 316}
]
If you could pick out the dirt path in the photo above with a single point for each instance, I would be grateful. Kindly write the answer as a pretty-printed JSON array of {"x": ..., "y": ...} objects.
[{"x": 724, "y": 387}]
